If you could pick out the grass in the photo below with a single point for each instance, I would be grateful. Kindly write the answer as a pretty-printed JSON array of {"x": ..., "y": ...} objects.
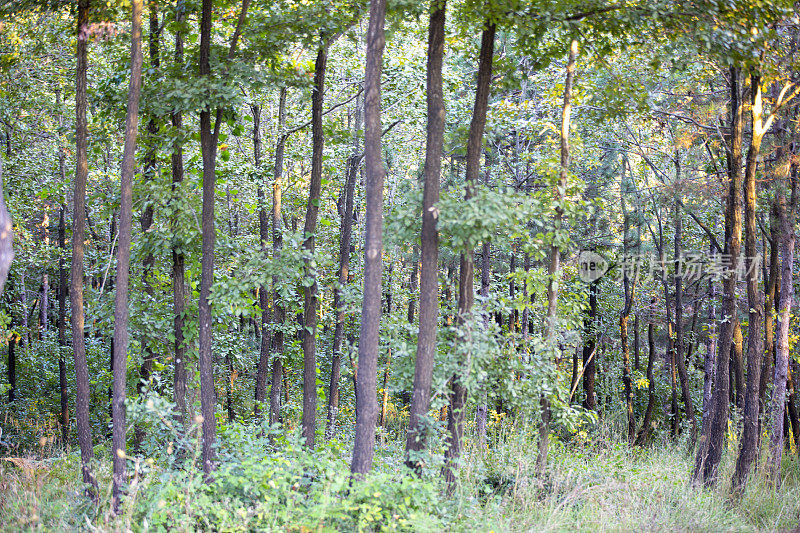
[{"x": 593, "y": 483}]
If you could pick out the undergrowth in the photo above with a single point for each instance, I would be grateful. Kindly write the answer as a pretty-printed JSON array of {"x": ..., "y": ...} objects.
[{"x": 267, "y": 482}]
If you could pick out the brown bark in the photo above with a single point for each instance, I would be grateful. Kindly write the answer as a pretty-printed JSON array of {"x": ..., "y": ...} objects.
[
  {"x": 712, "y": 443},
  {"x": 279, "y": 314},
  {"x": 146, "y": 220},
  {"x": 178, "y": 270},
  {"x": 466, "y": 296},
  {"x": 76, "y": 268},
  {"x": 749, "y": 442},
  {"x": 120, "y": 365},
  {"x": 346, "y": 237},
  {"x": 369, "y": 340},
  {"x": 429, "y": 283},
  {"x": 787, "y": 216},
  {"x": 310, "y": 298},
  {"x": 62, "y": 317},
  {"x": 647, "y": 422},
  {"x": 555, "y": 253},
  {"x": 262, "y": 370}
]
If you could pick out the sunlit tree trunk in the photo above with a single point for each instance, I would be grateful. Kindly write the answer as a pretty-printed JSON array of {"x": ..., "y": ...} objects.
[
  {"x": 554, "y": 268},
  {"x": 278, "y": 314},
  {"x": 712, "y": 443}
]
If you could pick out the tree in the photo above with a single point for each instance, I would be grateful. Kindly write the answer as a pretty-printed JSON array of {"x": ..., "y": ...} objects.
[
  {"x": 120, "y": 357},
  {"x": 76, "y": 269},
  {"x": 429, "y": 247},
  {"x": 368, "y": 344}
]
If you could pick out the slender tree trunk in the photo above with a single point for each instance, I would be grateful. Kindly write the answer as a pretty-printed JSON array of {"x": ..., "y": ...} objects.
[
  {"x": 769, "y": 307},
  {"x": 279, "y": 313},
  {"x": 208, "y": 146},
  {"x": 178, "y": 271},
  {"x": 44, "y": 303},
  {"x": 589, "y": 349},
  {"x": 310, "y": 293},
  {"x": 413, "y": 284},
  {"x": 146, "y": 220},
  {"x": 749, "y": 443},
  {"x": 794, "y": 417},
  {"x": 458, "y": 390},
  {"x": 61, "y": 322},
  {"x": 553, "y": 270},
  {"x": 680, "y": 360},
  {"x": 711, "y": 350},
  {"x": 62, "y": 314},
  {"x": 787, "y": 215},
  {"x": 647, "y": 423},
  {"x": 429, "y": 283},
  {"x": 346, "y": 237},
  {"x": 262, "y": 371},
  {"x": 76, "y": 269},
  {"x": 368, "y": 344},
  {"x": 120, "y": 366},
  {"x": 629, "y": 292},
  {"x": 712, "y": 444}
]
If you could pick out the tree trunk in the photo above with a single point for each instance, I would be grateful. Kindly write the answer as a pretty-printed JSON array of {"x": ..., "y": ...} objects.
[
  {"x": 629, "y": 293},
  {"x": 712, "y": 443},
  {"x": 346, "y": 237},
  {"x": 647, "y": 423},
  {"x": 62, "y": 314},
  {"x": 178, "y": 271},
  {"x": 555, "y": 253},
  {"x": 309, "y": 230},
  {"x": 749, "y": 442},
  {"x": 120, "y": 366},
  {"x": 263, "y": 232},
  {"x": 146, "y": 220},
  {"x": 787, "y": 216},
  {"x": 76, "y": 269},
  {"x": 368, "y": 344},
  {"x": 458, "y": 390},
  {"x": 680, "y": 360},
  {"x": 769, "y": 307},
  {"x": 589, "y": 349},
  {"x": 279, "y": 313},
  {"x": 429, "y": 283},
  {"x": 711, "y": 350}
]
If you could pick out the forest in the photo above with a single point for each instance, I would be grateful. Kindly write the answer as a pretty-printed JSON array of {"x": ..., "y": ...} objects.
[{"x": 391, "y": 265}]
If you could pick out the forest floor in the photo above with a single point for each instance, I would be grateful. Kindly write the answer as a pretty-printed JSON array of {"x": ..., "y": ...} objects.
[{"x": 594, "y": 483}]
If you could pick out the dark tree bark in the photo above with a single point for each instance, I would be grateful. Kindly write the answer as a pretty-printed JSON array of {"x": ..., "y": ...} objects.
[
  {"x": 146, "y": 219},
  {"x": 589, "y": 348},
  {"x": 369, "y": 340},
  {"x": 770, "y": 292},
  {"x": 279, "y": 313},
  {"x": 262, "y": 371},
  {"x": 429, "y": 250},
  {"x": 680, "y": 360},
  {"x": 120, "y": 365},
  {"x": 629, "y": 293},
  {"x": 76, "y": 269},
  {"x": 749, "y": 443},
  {"x": 712, "y": 443},
  {"x": 482, "y": 409},
  {"x": 413, "y": 284},
  {"x": 647, "y": 422},
  {"x": 208, "y": 147},
  {"x": 787, "y": 215},
  {"x": 466, "y": 296},
  {"x": 346, "y": 237},
  {"x": 62, "y": 315},
  {"x": 178, "y": 271},
  {"x": 554, "y": 267},
  {"x": 310, "y": 299},
  {"x": 711, "y": 350}
]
